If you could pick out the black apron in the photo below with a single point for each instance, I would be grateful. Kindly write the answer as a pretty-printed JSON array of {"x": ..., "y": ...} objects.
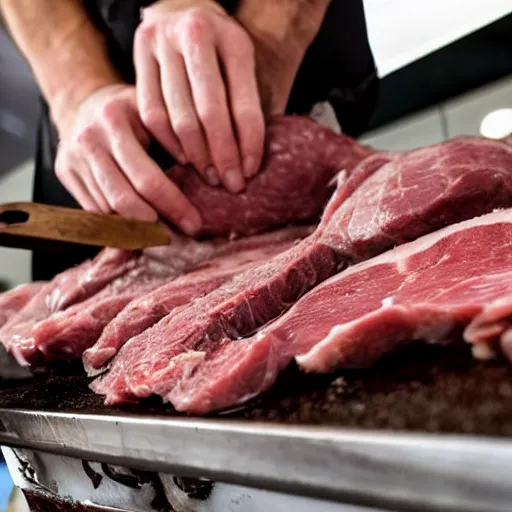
[{"x": 338, "y": 67}]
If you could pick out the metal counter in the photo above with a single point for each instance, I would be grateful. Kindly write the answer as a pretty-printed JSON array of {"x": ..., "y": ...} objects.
[{"x": 395, "y": 471}]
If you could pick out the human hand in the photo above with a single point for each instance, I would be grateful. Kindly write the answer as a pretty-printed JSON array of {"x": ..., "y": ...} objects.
[
  {"x": 103, "y": 163},
  {"x": 197, "y": 90}
]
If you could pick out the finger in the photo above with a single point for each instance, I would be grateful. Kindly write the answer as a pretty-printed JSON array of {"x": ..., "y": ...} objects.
[
  {"x": 184, "y": 120},
  {"x": 120, "y": 194},
  {"x": 148, "y": 179},
  {"x": 210, "y": 99},
  {"x": 89, "y": 181},
  {"x": 246, "y": 111},
  {"x": 151, "y": 103},
  {"x": 81, "y": 193},
  {"x": 74, "y": 184}
]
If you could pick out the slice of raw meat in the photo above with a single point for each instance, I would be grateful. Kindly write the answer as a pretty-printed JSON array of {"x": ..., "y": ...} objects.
[
  {"x": 229, "y": 260},
  {"x": 301, "y": 159},
  {"x": 428, "y": 290},
  {"x": 71, "y": 286},
  {"x": 83, "y": 281},
  {"x": 12, "y": 301},
  {"x": 66, "y": 334},
  {"x": 418, "y": 193},
  {"x": 491, "y": 330}
]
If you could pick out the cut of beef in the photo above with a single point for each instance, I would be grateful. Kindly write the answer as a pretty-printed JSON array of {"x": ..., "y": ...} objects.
[
  {"x": 301, "y": 159},
  {"x": 66, "y": 334},
  {"x": 146, "y": 311},
  {"x": 14, "y": 300},
  {"x": 73, "y": 285},
  {"x": 379, "y": 207},
  {"x": 83, "y": 281},
  {"x": 491, "y": 330},
  {"x": 293, "y": 184},
  {"x": 426, "y": 290},
  {"x": 260, "y": 295}
]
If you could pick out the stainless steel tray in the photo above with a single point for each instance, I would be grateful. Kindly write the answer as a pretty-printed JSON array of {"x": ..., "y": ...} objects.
[{"x": 390, "y": 470}]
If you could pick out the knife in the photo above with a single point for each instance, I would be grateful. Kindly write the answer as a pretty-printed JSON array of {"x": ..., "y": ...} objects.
[{"x": 31, "y": 225}]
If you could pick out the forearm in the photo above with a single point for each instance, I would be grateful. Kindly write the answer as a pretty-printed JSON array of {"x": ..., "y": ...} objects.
[
  {"x": 289, "y": 22},
  {"x": 67, "y": 54},
  {"x": 282, "y": 31}
]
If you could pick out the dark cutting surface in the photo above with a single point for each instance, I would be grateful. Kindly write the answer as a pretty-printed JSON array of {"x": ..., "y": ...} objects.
[{"x": 419, "y": 388}]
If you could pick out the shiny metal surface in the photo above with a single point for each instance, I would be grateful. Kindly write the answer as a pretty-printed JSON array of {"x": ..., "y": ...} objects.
[{"x": 395, "y": 470}]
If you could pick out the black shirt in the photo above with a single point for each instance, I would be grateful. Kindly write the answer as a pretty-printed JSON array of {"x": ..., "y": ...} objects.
[{"x": 338, "y": 67}]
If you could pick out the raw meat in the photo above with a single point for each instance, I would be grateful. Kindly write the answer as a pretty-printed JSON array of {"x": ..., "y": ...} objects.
[
  {"x": 491, "y": 330},
  {"x": 83, "y": 281},
  {"x": 66, "y": 334},
  {"x": 301, "y": 159},
  {"x": 73, "y": 285},
  {"x": 144, "y": 312},
  {"x": 428, "y": 290},
  {"x": 418, "y": 193},
  {"x": 12, "y": 301}
]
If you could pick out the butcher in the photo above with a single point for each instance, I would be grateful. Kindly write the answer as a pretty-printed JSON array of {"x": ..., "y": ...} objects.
[{"x": 195, "y": 78}]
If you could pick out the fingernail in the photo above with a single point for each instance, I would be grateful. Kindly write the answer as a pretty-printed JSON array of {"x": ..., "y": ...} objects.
[
  {"x": 212, "y": 177},
  {"x": 249, "y": 166},
  {"x": 234, "y": 181},
  {"x": 182, "y": 159},
  {"x": 191, "y": 224}
]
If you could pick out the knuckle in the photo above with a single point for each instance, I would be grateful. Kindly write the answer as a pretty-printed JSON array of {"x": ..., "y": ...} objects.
[
  {"x": 186, "y": 126},
  {"x": 194, "y": 23},
  {"x": 240, "y": 44},
  {"x": 145, "y": 32},
  {"x": 86, "y": 136},
  {"x": 154, "y": 119},
  {"x": 111, "y": 113},
  {"x": 120, "y": 201},
  {"x": 145, "y": 187},
  {"x": 210, "y": 114}
]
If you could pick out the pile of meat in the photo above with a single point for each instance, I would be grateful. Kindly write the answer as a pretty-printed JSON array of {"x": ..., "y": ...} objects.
[{"x": 334, "y": 255}]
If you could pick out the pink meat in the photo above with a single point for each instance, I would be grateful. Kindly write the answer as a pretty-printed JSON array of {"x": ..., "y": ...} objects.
[
  {"x": 429, "y": 290},
  {"x": 66, "y": 334},
  {"x": 395, "y": 203},
  {"x": 293, "y": 184},
  {"x": 73, "y": 285},
  {"x": 301, "y": 159},
  {"x": 83, "y": 281},
  {"x": 491, "y": 330},
  {"x": 241, "y": 305},
  {"x": 140, "y": 314},
  {"x": 14, "y": 300}
]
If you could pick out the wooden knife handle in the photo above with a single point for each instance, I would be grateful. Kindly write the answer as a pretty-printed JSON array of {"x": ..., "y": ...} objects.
[{"x": 43, "y": 222}]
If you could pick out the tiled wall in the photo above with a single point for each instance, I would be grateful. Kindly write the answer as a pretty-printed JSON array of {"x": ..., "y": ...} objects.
[{"x": 460, "y": 116}]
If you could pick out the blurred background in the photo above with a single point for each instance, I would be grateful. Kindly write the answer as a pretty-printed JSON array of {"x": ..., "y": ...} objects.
[{"x": 446, "y": 69}]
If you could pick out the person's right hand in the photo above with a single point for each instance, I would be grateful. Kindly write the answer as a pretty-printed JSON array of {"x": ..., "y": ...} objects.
[
  {"x": 197, "y": 89},
  {"x": 103, "y": 162}
]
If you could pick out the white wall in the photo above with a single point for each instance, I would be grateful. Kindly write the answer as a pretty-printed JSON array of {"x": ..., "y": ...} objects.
[
  {"x": 16, "y": 186},
  {"x": 402, "y": 31}
]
